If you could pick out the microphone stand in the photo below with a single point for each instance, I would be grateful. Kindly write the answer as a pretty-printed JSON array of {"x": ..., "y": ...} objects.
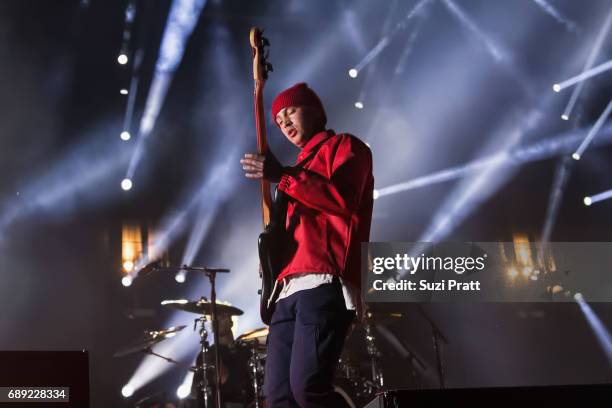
[{"x": 211, "y": 273}]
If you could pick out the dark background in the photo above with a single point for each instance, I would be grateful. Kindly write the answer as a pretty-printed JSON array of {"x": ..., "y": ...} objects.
[{"x": 61, "y": 162}]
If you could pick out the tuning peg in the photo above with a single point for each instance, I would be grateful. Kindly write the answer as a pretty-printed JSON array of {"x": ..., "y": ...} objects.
[
  {"x": 269, "y": 67},
  {"x": 265, "y": 41}
]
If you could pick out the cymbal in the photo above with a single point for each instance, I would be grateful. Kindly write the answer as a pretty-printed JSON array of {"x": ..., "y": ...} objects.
[
  {"x": 255, "y": 339},
  {"x": 201, "y": 306},
  {"x": 374, "y": 318},
  {"x": 254, "y": 334},
  {"x": 149, "y": 339}
]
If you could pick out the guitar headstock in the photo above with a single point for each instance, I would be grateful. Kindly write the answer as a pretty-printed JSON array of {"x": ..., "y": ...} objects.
[{"x": 259, "y": 44}]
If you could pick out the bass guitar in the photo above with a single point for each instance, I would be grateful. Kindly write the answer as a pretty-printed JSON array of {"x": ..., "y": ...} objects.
[{"x": 274, "y": 213}]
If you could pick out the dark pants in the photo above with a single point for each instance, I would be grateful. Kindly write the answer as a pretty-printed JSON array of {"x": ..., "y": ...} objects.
[{"x": 306, "y": 336}]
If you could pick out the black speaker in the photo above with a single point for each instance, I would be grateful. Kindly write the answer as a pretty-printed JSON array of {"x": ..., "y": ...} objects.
[
  {"x": 44, "y": 378},
  {"x": 593, "y": 395}
]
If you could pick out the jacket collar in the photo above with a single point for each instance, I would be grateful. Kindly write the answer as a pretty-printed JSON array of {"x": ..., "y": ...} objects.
[{"x": 314, "y": 142}]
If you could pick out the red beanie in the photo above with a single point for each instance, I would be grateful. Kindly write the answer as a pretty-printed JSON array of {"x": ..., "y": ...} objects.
[{"x": 298, "y": 95}]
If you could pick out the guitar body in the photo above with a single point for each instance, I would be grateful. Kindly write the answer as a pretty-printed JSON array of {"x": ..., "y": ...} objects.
[{"x": 271, "y": 249}]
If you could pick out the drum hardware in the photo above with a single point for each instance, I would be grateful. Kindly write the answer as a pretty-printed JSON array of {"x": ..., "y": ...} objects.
[
  {"x": 352, "y": 385},
  {"x": 256, "y": 341},
  {"x": 150, "y": 338},
  {"x": 201, "y": 307},
  {"x": 211, "y": 273},
  {"x": 256, "y": 373},
  {"x": 203, "y": 367},
  {"x": 374, "y": 354},
  {"x": 437, "y": 336},
  {"x": 403, "y": 350}
]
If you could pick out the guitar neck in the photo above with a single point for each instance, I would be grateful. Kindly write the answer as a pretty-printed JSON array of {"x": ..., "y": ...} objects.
[{"x": 262, "y": 148}]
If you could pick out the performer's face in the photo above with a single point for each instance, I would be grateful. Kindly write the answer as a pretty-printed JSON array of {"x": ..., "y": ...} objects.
[{"x": 299, "y": 123}]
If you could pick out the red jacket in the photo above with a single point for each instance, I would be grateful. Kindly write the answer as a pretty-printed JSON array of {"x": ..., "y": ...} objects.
[{"x": 330, "y": 207}]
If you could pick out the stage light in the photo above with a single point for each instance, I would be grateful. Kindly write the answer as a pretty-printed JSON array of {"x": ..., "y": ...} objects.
[
  {"x": 565, "y": 117},
  {"x": 353, "y": 73},
  {"x": 578, "y": 297},
  {"x": 122, "y": 59},
  {"x": 526, "y": 271},
  {"x": 359, "y": 105},
  {"x": 133, "y": 91},
  {"x": 376, "y": 194},
  {"x": 180, "y": 277},
  {"x": 128, "y": 266},
  {"x": 183, "y": 391},
  {"x": 556, "y": 289},
  {"x": 575, "y": 156},
  {"x": 606, "y": 195},
  {"x": 123, "y": 91},
  {"x": 126, "y": 184},
  {"x": 557, "y": 88},
  {"x": 126, "y": 281},
  {"x": 172, "y": 302},
  {"x": 127, "y": 391}
]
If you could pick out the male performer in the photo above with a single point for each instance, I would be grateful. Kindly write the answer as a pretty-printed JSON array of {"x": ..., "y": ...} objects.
[{"x": 328, "y": 216}]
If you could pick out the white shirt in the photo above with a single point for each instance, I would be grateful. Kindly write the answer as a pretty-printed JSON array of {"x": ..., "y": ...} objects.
[{"x": 295, "y": 283}]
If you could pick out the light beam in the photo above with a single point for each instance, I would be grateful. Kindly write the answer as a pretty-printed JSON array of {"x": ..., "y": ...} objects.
[
  {"x": 599, "y": 330},
  {"x": 182, "y": 18},
  {"x": 556, "y": 14},
  {"x": 583, "y": 76},
  {"x": 541, "y": 150},
  {"x": 601, "y": 37},
  {"x": 594, "y": 130},
  {"x": 606, "y": 195}
]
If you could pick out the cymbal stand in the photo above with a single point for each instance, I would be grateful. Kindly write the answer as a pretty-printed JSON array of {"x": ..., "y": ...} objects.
[
  {"x": 150, "y": 351},
  {"x": 254, "y": 364},
  {"x": 211, "y": 273},
  {"x": 374, "y": 354},
  {"x": 203, "y": 366}
]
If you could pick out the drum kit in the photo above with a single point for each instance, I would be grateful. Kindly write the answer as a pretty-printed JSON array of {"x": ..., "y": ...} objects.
[{"x": 354, "y": 385}]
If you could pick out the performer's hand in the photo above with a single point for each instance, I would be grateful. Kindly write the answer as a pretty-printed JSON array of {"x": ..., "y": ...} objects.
[{"x": 257, "y": 166}]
